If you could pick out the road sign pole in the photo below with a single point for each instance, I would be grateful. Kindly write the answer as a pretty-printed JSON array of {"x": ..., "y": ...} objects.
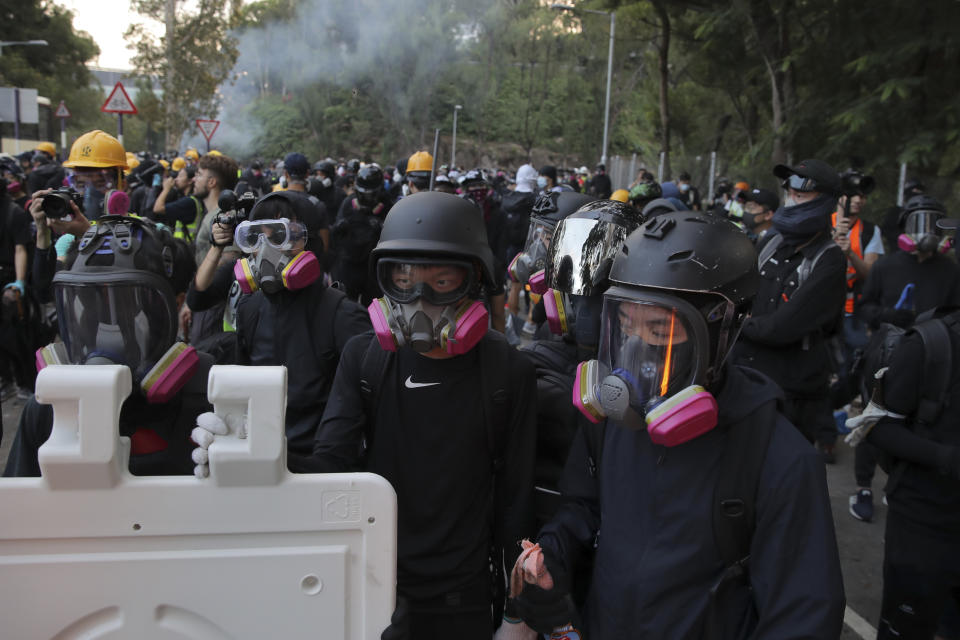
[
  {"x": 208, "y": 145},
  {"x": 120, "y": 127},
  {"x": 16, "y": 118},
  {"x": 63, "y": 138}
]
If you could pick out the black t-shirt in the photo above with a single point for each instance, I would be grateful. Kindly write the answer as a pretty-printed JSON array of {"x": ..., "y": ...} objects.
[
  {"x": 936, "y": 283},
  {"x": 14, "y": 230},
  {"x": 184, "y": 210}
]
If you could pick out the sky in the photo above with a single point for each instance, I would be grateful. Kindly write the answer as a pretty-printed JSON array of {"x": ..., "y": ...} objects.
[{"x": 106, "y": 21}]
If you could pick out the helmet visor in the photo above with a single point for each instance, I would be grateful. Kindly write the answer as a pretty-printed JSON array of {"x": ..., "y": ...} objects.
[
  {"x": 921, "y": 223},
  {"x": 437, "y": 282},
  {"x": 537, "y": 246},
  {"x": 578, "y": 249},
  {"x": 281, "y": 234},
  {"x": 652, "y": 345},
  {"x": 122, "y": 317}
]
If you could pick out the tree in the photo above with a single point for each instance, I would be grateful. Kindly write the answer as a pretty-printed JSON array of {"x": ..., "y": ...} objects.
[{"x": 193, "y": 58}]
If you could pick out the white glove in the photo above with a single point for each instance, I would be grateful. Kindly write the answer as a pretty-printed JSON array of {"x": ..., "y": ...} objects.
[
  {"x": 861, "y": 425},
  {"x": 514, "y": 631},
  {"x": 208, "y": 426}
]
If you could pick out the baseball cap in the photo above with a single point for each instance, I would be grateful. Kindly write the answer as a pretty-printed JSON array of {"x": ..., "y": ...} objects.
[
  {"x": 763, "y": 197},
  {"x": 296, "y": 164},
  {"x": 821, "y": 177}
]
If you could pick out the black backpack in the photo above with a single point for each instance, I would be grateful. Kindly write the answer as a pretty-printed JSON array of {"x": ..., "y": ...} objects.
[{"x": 734, "y": 498}]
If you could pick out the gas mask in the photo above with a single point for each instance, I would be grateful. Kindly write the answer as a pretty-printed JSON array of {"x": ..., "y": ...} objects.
[
  {"x": 654, "y": 357},
  {"x": 533, "y": 258},
  {"x": 123, "y": 317},
  {"x": 276, "y": 264},
  {"x": 326, "y": 182},
  {"x": 541, "y": 182},
  {"x": 920, "y": 234},
  {"x": 426, "y": 305}
]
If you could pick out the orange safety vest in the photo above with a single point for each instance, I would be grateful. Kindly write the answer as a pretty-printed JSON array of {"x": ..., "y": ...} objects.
[{"x": 855, "y": 233}]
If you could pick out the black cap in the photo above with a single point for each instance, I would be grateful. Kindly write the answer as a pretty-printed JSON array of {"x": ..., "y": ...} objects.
[
  {"x": 296, "y": 164},
  {"x": 825, "y": 176},
  {"x": 763, "y": 197}
]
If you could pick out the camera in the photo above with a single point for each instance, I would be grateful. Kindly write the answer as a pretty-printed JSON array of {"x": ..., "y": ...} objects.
[
  {"x": 56, "y": 204},
  {"x": 855, "y": 183},
  {"x": 234, "y": 208}
]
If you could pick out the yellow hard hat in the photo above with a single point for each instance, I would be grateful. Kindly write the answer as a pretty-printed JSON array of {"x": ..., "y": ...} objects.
[
  {"x": 97, "y": 149},
  {"x": 191, "y": 154},
  {"x": 620, "y": 195},
  {"x": 420, "y": 161},
  {"x": 48, "y": 148},
  {"x": 164, "y": 163},
  {"x": 214, "y": 152},
  {"x": 132, "y": 162},
  {"x": 178, "y": 163}
]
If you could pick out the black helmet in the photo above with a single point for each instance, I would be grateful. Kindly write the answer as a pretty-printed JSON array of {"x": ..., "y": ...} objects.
[
  {"x": 550, "y": 208},
  {"x": 435, "y": 224},
  {"x": 659, "y": 206},
  {"x": 688, "y": 251},
  {"x": 118, "y": 299},
  {"x": 325, "y": 167},
  {"x": 703, "y": 270},
  {"x": 370, "y": 179},
  {"x": 919, "y": 218},
  {"x": 353, "y": 166},
  {"x": 585, "y": 243}
]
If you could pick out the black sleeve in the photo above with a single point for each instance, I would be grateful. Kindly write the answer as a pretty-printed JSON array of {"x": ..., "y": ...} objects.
[
  {"x": 42, "y": 271},
  {"x": 337, "y": 444},
  {"x": 183, "y": 210},
  {"x": 19, "y": 226},
  {"x": 33, "y": 429},
  {"x": 816, "y": 304},
  {"x": 870, "y": 305},
  {"x": 216, "y": 293},
  {"x": 574, "y": 527},
  {"x": 514, "y": 482}
]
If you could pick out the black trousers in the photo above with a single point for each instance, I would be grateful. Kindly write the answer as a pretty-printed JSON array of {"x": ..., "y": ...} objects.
[
  {"x": 921, "y": 574},
  {"x": 864, "y": 463}
]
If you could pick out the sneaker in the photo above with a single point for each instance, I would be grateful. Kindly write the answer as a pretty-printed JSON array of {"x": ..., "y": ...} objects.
[
  {"x": 861, "y": 505},
  {"x": 529, "y": 329}
]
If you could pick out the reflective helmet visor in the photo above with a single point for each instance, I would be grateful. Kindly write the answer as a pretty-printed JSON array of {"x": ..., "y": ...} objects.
[{"x": 577, "y": 250}]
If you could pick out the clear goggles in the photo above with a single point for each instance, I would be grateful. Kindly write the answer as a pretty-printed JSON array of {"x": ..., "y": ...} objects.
[
  {"x": 537, "y": 245},
  {"x": 921, "y": 223},
  {"x": 657, "y": 345},
  {"x": 437, "y": 282},
  {"x": 283, "y": 234},
  {"x": 124, "y": 317},
  {"x": 578, "y": 250},
  {"x": 799, "y": 183}
]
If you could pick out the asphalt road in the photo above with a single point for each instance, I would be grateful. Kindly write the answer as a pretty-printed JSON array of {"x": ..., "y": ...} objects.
[{"x": 861, "y": 544}]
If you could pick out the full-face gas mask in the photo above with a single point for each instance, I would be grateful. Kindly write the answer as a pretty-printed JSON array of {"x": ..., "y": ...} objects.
[
  {"x": 278, "y": 261},
  {"x": 120, "y": 315},
  {"x": 921, "y": 234},
  {"x": 528, "y": 265},
  {"x": 653, "y": 360},
  {"x": 427, "y": 304}
]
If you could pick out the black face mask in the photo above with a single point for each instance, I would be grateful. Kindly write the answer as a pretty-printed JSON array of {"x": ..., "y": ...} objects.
[
  {"x": 750, "y": 220},
  {"x": 801, "y": 222}
]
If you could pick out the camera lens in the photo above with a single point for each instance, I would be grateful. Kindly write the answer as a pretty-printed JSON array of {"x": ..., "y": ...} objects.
[{"x": 55, "y": 205}]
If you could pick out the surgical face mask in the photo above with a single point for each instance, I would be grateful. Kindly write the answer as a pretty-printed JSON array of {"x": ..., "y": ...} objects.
[
  {"x": 326, "y": 182},
  {"x": 283, "y": 182},
  {"x": 684, "y": 187},
  {"x": 455, "y": 328},
  {"x": 405, "y": 189},
  {"x": 541, "y": 182},
  {"x": 653, "y": 352}
]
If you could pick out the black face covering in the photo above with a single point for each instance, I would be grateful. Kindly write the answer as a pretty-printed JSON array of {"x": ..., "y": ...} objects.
[{"x": 799, "y": 223}]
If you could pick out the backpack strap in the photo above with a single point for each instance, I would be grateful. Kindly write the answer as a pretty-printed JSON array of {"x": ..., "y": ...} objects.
[
  {"x": 768, "y": 250},
  {"x": 735, "y": 496},
  {"x": 937, "y": 370},
  {"x": 494, "y": 372},
  {"x": 374, "y": 363},
  {"x": 807, "y": 265}
]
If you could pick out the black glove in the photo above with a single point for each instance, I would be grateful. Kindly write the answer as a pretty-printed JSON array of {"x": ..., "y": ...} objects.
[
  {"x": 545, "y": 609},
  {"x": 903, "y": 318}
]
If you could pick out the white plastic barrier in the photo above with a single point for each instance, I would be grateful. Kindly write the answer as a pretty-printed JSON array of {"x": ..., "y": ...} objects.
[{"x": 90, "y": 551}]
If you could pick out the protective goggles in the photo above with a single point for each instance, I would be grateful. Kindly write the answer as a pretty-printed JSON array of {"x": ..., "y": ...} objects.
[
  {"x": 283, "y": 234},
  {"x": 799, "y": 183},
  {"x": 438, "y": 282},
  {"x": 919, "y": 223}
]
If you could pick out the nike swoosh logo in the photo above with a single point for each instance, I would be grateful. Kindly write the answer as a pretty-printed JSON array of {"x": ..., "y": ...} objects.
[{"x": 410, "y": 384}]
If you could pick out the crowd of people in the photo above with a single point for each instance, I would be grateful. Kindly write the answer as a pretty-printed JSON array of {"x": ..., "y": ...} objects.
[{"x": 605, "y": 412}]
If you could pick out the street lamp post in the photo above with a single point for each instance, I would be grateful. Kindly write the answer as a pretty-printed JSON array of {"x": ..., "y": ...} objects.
[
  {"x": 453, "y": 149},
  {"x": 606, "y": 109}
]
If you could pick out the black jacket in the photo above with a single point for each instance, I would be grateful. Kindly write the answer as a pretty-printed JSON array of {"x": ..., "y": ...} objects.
[
  {"x": 936, "y": 283},
  {"x": 299, "y": 330},
  {"x": 657, "y": 559},
  {"x": 785, "y": 337}
]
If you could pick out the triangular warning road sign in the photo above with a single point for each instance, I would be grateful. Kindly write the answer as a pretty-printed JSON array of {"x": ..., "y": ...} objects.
[
  {"x": 62, "y": 111},
  {"x": 208, "y": 127},
  {"x": 119, "y": 101}
]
